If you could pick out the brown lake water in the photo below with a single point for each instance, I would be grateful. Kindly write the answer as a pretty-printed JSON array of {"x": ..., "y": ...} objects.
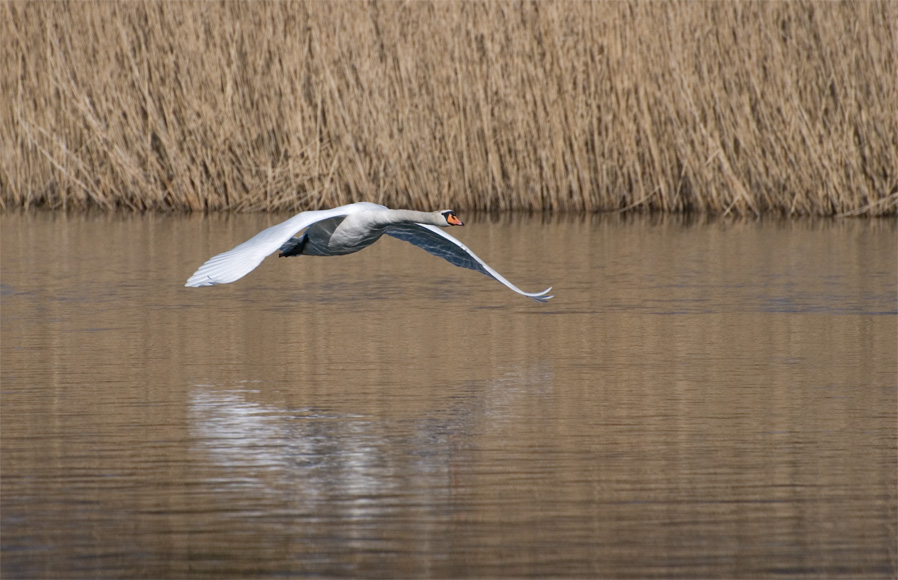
[{"x": 703, "y": 398}]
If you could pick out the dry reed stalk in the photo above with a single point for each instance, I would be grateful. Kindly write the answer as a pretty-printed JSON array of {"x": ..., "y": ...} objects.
[{"x": 710, "y": 107}]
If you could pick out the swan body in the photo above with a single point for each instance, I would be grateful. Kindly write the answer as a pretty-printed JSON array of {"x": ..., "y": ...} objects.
[{"x": 344, "y": 230}]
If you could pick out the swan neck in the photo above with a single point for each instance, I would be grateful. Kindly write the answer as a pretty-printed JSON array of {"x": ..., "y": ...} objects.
[{"x": 410, "y": 215}]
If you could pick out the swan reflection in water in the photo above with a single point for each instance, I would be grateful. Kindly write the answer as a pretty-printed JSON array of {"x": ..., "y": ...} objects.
[{"x": 305, "y": 456}]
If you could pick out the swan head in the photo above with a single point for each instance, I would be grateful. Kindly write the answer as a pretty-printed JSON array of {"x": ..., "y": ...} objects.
[{"x": 450, "y": 218}]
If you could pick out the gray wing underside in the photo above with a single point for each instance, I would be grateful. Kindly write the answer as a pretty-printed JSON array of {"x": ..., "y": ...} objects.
[{"x": 434, "y": 241}]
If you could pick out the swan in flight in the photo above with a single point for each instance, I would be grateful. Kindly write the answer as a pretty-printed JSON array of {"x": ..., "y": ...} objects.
[{"x": 344, "y": 230}]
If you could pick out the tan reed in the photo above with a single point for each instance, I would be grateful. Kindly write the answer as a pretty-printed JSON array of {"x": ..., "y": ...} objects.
[{"x": 720, "y": 107}]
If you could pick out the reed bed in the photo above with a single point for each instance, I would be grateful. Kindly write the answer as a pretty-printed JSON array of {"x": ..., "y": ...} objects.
[{"x": 721, "y": 107}]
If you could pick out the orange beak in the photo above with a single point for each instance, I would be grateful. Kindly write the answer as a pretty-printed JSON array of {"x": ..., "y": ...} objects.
[{"x": 453, "y": 220}]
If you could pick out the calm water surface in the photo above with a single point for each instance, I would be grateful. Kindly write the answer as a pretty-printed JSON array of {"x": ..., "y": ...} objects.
[{"x": 701, "y": 399}]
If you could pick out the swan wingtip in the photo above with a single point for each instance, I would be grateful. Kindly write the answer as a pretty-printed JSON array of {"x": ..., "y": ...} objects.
[
  {"x": 199, "y": 281},
  {"x": 541, "y": 296}
]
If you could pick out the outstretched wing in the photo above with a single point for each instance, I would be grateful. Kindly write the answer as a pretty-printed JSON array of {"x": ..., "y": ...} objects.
[
  {"x": 439, "y": 243},
  {"x": 240, "y": 261}
]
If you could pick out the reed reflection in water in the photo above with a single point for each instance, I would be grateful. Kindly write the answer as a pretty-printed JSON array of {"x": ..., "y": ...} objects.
[{"x": 702, "y": 398}]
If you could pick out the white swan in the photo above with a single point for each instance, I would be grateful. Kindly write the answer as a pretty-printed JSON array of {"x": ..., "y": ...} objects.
[{"x": 344, "y": 230}]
